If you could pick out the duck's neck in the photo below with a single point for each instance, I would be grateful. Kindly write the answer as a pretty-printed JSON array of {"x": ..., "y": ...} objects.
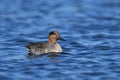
[{"x": 52, "y": 41}]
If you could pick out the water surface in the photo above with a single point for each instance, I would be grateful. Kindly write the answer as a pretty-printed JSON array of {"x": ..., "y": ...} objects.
[{"x": 91, "y": 29}]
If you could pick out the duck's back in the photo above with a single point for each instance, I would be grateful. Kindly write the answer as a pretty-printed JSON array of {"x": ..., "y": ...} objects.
[{"x": 37, "y": 47}]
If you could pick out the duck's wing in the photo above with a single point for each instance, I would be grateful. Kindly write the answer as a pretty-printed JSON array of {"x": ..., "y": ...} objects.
[
  {"x": 36, "y": 44},
  {"x": 37, "y": 47}
]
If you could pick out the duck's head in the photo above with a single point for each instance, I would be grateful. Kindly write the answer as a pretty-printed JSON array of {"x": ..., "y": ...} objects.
[{"x": 54, "y": 36}]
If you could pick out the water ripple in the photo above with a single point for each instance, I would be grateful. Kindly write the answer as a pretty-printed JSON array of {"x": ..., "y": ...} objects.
[{"x": 90, "y": 52}]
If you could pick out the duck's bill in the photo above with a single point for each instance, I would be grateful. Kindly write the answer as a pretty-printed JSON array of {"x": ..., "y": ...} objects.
[{"x": 61, "y": 38}]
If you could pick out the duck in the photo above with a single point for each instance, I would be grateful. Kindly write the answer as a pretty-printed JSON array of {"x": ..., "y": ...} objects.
[{"x": 50, "y": 46}]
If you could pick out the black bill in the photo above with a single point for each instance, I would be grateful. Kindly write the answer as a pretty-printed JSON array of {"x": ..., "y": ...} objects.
[{"x": 61, "y": 38}]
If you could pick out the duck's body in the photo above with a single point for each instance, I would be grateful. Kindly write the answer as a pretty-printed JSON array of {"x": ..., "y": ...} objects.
[
  {"x": 36, "y": 48},
  {"x": 43, "y": 47}
]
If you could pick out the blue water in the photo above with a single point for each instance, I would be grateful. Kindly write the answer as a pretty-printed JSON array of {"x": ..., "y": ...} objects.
[{"x": 91, "y": 29}]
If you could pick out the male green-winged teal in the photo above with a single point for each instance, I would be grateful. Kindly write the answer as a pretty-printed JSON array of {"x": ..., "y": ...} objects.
[{"x": 36, "y": 48}]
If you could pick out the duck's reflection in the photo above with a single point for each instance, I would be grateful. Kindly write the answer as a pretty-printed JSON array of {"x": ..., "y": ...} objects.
[
  {"x": 53, "y": 57},
  {"x": 35, "y": 56}
]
